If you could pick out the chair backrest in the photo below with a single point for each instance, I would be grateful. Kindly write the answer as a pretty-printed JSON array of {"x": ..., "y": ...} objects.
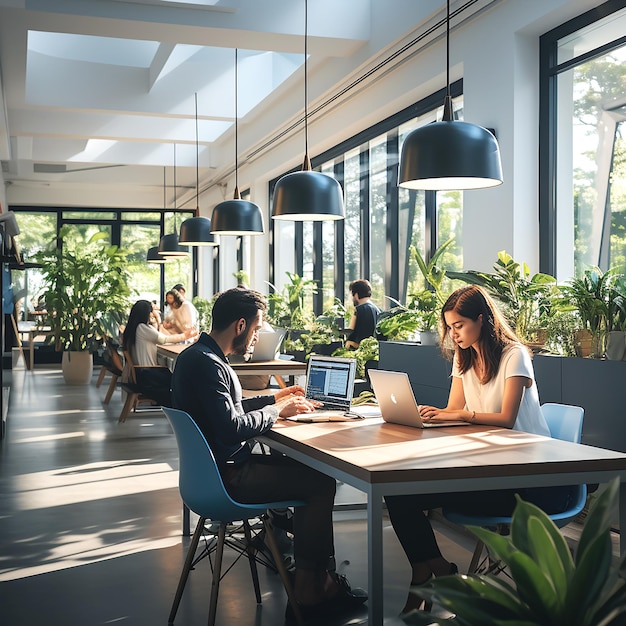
[
  {"x": 200, "y": 483},
  {"x": 565, "y": 421}
]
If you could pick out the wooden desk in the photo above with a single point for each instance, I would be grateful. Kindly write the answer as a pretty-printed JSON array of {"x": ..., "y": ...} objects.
[
  {"x": 167, "y": 354},
  {"x": 385, "y": 459},
  {"x": 28, "y": 331}
]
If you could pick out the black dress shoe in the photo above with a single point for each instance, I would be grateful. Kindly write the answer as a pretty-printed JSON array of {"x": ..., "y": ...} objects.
[{"x": 346, "y": 599}]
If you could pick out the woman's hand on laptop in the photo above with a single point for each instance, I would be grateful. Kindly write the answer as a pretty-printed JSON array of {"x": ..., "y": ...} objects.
[
  {"x": 291, "y": 405},
  {"x": 433, "y": 414}
]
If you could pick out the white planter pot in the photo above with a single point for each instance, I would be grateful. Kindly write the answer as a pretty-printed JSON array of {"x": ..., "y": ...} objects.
[
  {"x": 77, "y": 367},
  {"x": 429, "y": 337},
  {"x": 615, "y": 345}
]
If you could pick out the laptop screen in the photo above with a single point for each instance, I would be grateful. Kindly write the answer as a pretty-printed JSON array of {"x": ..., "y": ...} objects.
[{"x": 331, "y": 380}]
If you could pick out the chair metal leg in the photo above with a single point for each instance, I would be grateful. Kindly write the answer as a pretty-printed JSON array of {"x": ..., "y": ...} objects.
[
  {"x": 282, "y": 572},
  {"x": 217, "y": 572},
  {"x": 111, "y": 389},
  {"x": 252, "y": 560},
  {"x": 193, "y": 546},
  {"x": 478, "y": 550}
]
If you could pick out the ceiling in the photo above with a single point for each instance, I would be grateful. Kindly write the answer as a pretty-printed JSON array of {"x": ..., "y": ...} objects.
[{"x": 103, "y": 92}]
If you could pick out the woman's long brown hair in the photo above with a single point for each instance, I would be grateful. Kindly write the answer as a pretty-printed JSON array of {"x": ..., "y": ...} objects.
[{"x": 495, "y": 334}]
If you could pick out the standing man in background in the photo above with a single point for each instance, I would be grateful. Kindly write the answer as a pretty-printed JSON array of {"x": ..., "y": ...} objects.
[{"x": 365, "y": 316}]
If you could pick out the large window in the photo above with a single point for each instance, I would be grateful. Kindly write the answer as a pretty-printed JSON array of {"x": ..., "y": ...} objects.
[
  {"x": 382, "y": 221},
  {"x": 134, "y": 231},
  {"x": 583, "y": 165}
]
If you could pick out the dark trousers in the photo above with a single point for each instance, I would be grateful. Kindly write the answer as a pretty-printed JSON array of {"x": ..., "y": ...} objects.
[
  {"x": 271, "y": 478},
  {"x": 156, "y": 383},
  {"x": 416, "y": 534}
]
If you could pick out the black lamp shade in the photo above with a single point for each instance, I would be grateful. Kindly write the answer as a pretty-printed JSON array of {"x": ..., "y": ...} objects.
[
  {"x": 450, "y": 155},
  {"x": 196, "y": 231},
  {"x": 169, "y": 246},
  {"x": 237, "y": 217},
  {"x": 154, "y": 256},
  {"x": 307, "y": 196}
]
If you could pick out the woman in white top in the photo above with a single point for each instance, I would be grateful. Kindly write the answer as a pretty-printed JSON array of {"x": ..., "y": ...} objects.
[
  {"x": 141, "y": 338},
  {"x": 493, "y": 384}
]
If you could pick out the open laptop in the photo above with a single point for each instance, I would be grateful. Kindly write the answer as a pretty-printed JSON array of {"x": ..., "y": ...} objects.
[
  {"x": 329, "y": 380},
  {"x": 268, "y": 345},
  {"x": 397, "y": 401},
  {"x": 266, "y": 348}
]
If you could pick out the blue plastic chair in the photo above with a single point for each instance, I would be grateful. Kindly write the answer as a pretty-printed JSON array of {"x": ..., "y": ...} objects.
[
  {"x": 203, "y": 491},
  {"x": 565, "y": 422}
]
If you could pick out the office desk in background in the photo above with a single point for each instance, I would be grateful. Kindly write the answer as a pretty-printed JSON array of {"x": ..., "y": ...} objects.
[
  {"x": 387, "y": 459},
  {"x": 279, "y": 368},
  {"x": 30, "y": 332}
]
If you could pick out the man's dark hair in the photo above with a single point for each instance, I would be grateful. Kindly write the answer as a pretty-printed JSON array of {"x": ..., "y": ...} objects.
[
  {"x": 179, "y": 287},
  {"x": 361, "y": 287},
  {"x": 234, "y": 304}
]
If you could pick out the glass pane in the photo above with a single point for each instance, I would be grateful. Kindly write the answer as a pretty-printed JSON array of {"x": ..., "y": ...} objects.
[
  {"x": 307, "y": 263},
  {"x": 89, "y": 215},
  {"x": 378, "y": 214},
  {"x": 450, "y": 224},
  {"x": 328, "y": 253},
  {"x": 593, "y": 36},
  {"x": 352, "y": 222},
  {"x": 141, "y": 216},
  {"x": 80, "y": 234},
  {"x": 590, "y": 162},
  {"x": 136, "y": 239},
  {"x": 37, "y": 230}
]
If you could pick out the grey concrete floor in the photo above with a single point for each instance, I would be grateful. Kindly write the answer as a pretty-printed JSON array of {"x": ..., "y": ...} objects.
[{"x": 90, "y": 521}]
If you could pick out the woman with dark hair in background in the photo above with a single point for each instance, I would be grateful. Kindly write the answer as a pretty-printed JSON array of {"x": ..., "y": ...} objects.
[{"x": 140, "y": 340}]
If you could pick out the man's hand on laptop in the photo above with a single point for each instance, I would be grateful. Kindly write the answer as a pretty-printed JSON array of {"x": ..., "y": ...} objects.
[
  {"x": 294, "y": 390},
  {"x": 291, "y": 405}
]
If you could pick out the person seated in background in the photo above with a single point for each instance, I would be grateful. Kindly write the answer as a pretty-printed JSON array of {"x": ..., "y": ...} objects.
[
  {"x": 140, "y": 339},
  {"x": 189, "y": 304},
  {"x": 156, "y": 314},
  {"x": 365, "y": 316},
  {"x": 182, "y": 314}
]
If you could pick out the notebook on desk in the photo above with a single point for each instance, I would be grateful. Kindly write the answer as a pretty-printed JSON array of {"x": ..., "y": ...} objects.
[
  {"x": 397, "y": 401},
  {"x": 329, "y": 380}
]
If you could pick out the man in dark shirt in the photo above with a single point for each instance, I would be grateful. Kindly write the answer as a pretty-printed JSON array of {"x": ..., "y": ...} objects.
[
  {"x": 365, "y": 316},
  {"x": 205, "y": 386}
]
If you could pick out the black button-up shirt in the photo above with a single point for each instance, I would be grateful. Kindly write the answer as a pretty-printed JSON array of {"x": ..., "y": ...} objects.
[{"x": 206, "y": 386}]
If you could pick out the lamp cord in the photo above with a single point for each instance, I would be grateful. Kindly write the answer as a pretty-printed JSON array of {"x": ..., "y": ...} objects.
[
  {"x": 197, "y": 159},
  {"x": 236, "y": 127},
  {"x": 306, "y": 85},
  {"x": 448, "y": 115}
]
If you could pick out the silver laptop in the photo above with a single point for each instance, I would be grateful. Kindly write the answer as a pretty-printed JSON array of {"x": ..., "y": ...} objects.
[
  {"x": 268, "y": 345},
  {"x": 397, "y": 402},
  {"x": 329, "y": 380}
]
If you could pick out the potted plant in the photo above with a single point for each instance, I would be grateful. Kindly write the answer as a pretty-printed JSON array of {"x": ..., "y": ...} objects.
[
  {"x": 527, "y": 300},
  {"x": 84, "y": 285},
  {"x": 551, "y": 587},
  {"x": 593, "y": 295}
]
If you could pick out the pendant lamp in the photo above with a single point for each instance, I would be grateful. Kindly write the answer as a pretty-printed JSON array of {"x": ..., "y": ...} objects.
[
  {"x": 450, "y": 154},
  {"x": 169, "y": 246},
  {"x": 155, "y": 257},
  {"x": 237, "y": 216},
  {"x": 307, "y": 195},
  {"x": 196, "y": 231}
]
